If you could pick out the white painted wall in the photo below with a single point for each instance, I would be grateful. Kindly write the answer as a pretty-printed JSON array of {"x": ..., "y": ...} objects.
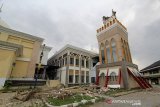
[
  {"x": 93, "y": 71},
  {"x": 63, "y": 76},
  {"x": 2, "y": 81}
]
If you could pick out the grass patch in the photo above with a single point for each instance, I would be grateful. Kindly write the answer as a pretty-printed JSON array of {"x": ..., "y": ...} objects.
[{"x": 68, "y": 100}]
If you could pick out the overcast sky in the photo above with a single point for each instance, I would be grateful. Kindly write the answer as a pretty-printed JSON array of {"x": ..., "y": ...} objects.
[{"x": 62, "y": 22}]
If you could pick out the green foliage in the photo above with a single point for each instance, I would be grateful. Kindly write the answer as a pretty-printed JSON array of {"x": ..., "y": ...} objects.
[{"x": 68, "y": 100}]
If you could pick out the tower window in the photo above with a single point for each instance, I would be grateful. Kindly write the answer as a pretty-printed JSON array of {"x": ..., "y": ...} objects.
[
  {"x": 108, "y": 55},
  {"x": 113, "y": 44},
  {"x": 107, "y": 24},
  {"x": 113, "y": 21},
  {"x": 110, "y": 22},
  {"x": 102, "y": 53},
  {"x": 108, "y": 52}
]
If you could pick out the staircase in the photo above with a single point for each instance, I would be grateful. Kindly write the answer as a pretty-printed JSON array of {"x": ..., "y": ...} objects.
[{"x": 139, "y": 79}]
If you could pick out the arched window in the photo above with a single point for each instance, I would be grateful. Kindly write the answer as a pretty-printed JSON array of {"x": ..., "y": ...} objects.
[
  {"x": 113, "y": 21},
  {"x": 107, "y": 24},
  {"x": 126, "y": 50},
  {"x": 123, "y": 49},
  {"x": 110, "y": 22},
  {"x": 108, "y": 52},
  {"x": 102, "y": 75},
  {"x": 113, "y": 76},
  {"x": 102, "y": 79},
  {"x": 113, "y": 44},
  {"x": 102, "y": 53}
]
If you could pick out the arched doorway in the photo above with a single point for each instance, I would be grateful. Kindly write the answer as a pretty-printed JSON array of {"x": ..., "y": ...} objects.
[
  {"x": 102, "y": 79},
  {"x": 112, "y": 78}
]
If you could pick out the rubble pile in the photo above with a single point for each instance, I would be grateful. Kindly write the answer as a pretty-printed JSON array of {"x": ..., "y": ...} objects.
[{"x": 59, "y": 92}]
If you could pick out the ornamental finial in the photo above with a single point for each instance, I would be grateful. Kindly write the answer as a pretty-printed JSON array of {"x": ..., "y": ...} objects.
[{"x": 113, "y": 13}]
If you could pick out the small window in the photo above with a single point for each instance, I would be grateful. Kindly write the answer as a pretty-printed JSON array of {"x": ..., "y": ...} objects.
[
  {"x": 65, "y": 60},
  {"x": 87, "y": 79},
  {"x": 87, "y": 64},
  {"x": 70, "y": 78},
  {"x": 82, "y": 76},
  {"x": 82, "y": 62},
  {"x": 82, "y": 79},
  {"x": 76, "y": 78},
  {"x": 87, "y": 76},
  {"x": 71, "y": 61},
  {"x": 77, "y": 62}
]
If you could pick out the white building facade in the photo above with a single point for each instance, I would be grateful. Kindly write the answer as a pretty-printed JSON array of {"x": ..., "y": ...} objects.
[{"x": 75, "y": 65}]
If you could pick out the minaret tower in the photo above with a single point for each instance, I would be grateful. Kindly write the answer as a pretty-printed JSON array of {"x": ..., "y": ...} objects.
[
  {"x": 113, "y": 41},
  {"x": 116, "y": 69}
]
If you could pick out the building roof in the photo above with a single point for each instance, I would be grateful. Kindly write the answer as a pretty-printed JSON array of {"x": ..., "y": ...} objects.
[
  {"x": 76, "y": 48},
  {"x": 19, "y": 34},
  {"x": 152, "y": 66}
]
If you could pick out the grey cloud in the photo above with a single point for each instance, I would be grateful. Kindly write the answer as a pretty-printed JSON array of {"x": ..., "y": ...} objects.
[{"x": 75, "y": 22}]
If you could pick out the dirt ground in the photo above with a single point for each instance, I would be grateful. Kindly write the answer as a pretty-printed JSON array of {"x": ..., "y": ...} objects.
[
  {"x": 145, "y": 98},
  {"x": 6, "y": 100}
]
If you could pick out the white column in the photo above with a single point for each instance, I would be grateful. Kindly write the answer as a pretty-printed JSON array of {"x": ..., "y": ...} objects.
[
  {"x": 73, "y": 76},
  {"x": 90, "y": 68},
  {"x": 74, "y": 61},
  {"x": 84, "y": 76},
  {"x": 85, "y": 63},
  {"x": 80, "y": 69},
  {"x": 67, "y": 68}
]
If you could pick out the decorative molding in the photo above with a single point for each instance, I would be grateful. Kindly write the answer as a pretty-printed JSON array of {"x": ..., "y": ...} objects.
[
  {"x": 73, "y": 49},
  {"x": 11, "y": 46},
  {"x": 23, "y": 59},
  {"x": 20, "y": 34},
  {"x": 112, "y": 26}
]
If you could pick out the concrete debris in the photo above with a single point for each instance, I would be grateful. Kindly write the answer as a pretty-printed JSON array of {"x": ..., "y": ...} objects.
[
  {"x": 60, "y": 92},
  {"x": 25, "y": 95}
]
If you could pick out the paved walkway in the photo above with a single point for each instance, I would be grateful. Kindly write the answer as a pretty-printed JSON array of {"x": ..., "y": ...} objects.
[{"x": 137, "y": 99}]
